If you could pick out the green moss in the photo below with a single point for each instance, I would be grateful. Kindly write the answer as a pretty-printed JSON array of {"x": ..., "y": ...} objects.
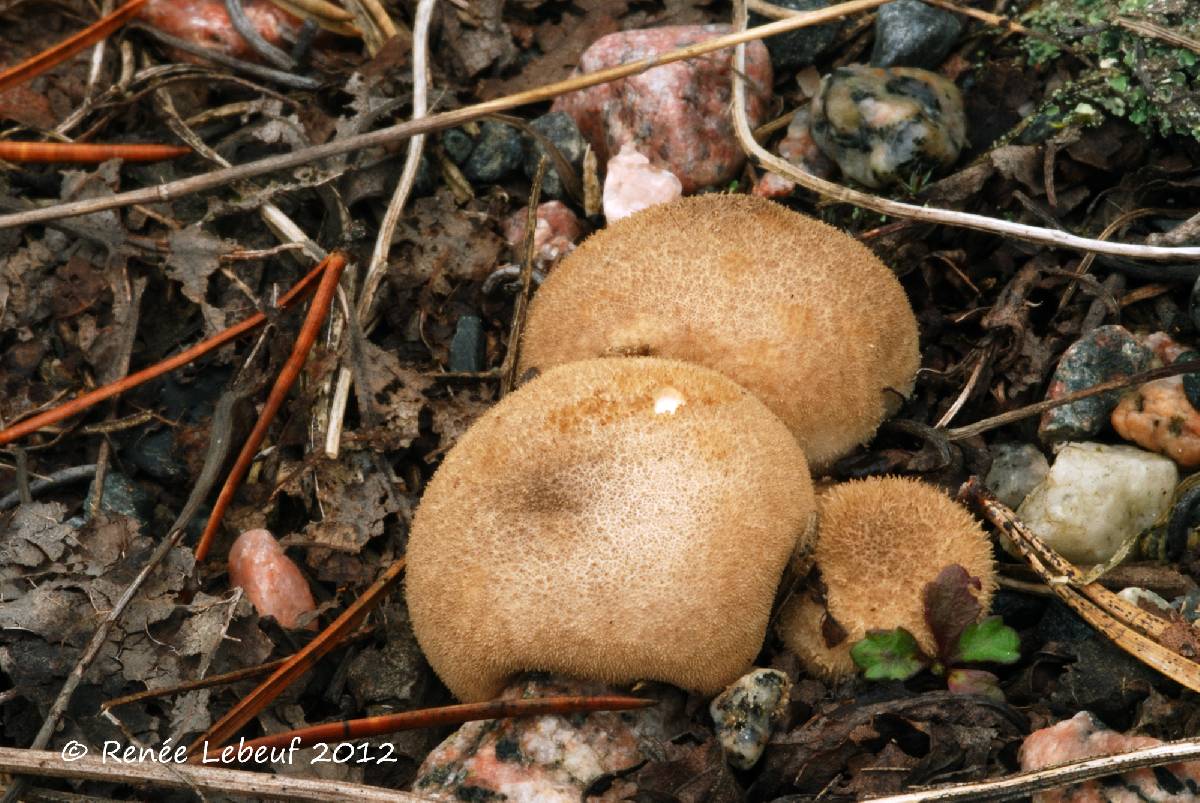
[{"x": 1139, "y": 77}]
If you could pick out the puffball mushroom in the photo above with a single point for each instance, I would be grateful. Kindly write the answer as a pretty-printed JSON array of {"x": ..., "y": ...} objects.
[
  {"x": 612, "y": 520},
  {"x": 879, "y": 542},
  {"x": 797, "y": 312}
]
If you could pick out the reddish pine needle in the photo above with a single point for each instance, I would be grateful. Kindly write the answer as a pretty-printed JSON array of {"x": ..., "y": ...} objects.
[
  {"x": 86, "y": 152},
  {"x": 87, "y": 400},
  {"x": 262, "y": 696},
  {"x": 333, "y": 265},
  {"x": 436, "y": 717},
  {"x": 56, "y": 55}
]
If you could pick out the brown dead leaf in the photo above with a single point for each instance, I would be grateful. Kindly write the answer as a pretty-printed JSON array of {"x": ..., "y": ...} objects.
[{"x": 194, "y": 256}]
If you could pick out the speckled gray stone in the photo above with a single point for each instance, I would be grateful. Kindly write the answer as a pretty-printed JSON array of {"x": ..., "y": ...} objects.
[
  {"x": 467, "y": 347},
  {"x": 798, "y": 48},
  {"x": 560, "y": 129},
  {"x": 497, "y": 154},
  {"x": 122, "y": 495},
  {"x": 888, "y": 125},
  {"x": 744, "y": 714},
  {"x": 909, "y": 33},
  {"x": 1106, "y": 352},
  {"x": 457, "y": 144}
]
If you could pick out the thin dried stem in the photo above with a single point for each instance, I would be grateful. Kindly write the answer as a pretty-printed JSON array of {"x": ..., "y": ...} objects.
[
  {"x": 329, "y": 638},
  {"x": 1037, "y": 408},
  {"x": 220, "y": 782},
  {"x": 88, "y": 400},
  {"x": 925, "y": 214},
  {"x": 218, "y": 178},
  {"x": 332, "y": 268},
  {"x": 1025, "y": 783},
  {"x": 77, "y": 43},
  {"x": 448, "y": 715},
  {"x": 377, "y": 268}
]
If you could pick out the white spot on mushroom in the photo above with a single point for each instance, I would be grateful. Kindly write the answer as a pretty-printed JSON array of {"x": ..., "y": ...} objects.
[{"x": 668, "y": 401}]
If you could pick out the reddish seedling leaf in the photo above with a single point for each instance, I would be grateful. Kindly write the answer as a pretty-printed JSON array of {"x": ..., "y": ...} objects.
[
  {"x": 975, "y": 681},
  {"x": 950, "y": 607}
]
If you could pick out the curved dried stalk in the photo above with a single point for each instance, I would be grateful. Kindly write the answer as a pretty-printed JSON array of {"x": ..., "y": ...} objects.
[{"x": 924, "y": 214}]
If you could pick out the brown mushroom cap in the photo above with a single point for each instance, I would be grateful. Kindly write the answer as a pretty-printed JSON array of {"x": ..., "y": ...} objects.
[
  {"x": 879, "y": 542},
  {"x": 797, "y": 312},
  {"x": 612, "y": 520}
]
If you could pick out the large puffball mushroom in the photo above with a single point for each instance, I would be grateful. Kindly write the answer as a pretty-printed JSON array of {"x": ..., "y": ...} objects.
[
  {"x": 799, "y": 313},
  {"x": 880, "y": 541},
  {"x": 612, "y": 520}
]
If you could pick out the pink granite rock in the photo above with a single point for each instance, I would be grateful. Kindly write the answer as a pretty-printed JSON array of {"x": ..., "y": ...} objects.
[
  {"x": 554, "y": 236},
  {"x": 1083, "y": 736},
  {"x": 272, "y": 582},
  {"x": 206, "y": 23},
  {"x": 549, "y": 759},
  {"x": 799, "y": 148},
  {"x": 632, "y": 183},
  {"x": 676, "y": 114}
]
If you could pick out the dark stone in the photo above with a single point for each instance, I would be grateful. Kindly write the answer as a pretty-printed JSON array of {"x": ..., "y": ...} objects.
[
  {"x": 467, "y": 351},
  {"x": 425, "y": 182},
  {"x": 1105, "y": 353},
  {"x": 156, "y": 454},
  {"x": 122, "y": 495},
  {"x": 560, "y": 129},
  {"x": 909, "y": 33},
  {"x": 798, "y": 48},
  {"x": 497, "y": 154},
  {"x": 457, "y": 144},
  {"x": 1191, "y": 382},
  {"x": 1194, "y": 304}
]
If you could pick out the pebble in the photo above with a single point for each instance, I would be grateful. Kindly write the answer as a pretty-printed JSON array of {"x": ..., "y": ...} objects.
[
  {"x": 909, "y": 33},
  {"x": 157, "y": 454},
  {"x": 467, "y": 347},
  {"x": 546, "y": 759},
  {"x": 497, "y": 154},
  {"x": 1158, "y": 416},
  {"x": 799, "y": 148},
  {"x": 1105, "y": 353},
  {"x": 677, "y": 114},
  {"x": 886, "y": 126},
  {"x": 554, "y": 236},
  {"x": 1083, "y": 736},
  {"x": 1161, "y": 415},
  {"x": 206, "y": 23},
  {"x": 122, "y": 495},
  {"x": 1143, "y": 597},
  {"x": 1096, "y": 496},
  {"x": 745, "y": 713},
  {"x": 271, "y": 580},
  {"x": 1017, "y": 468},
  {"x": 799, "y": 48},
  {"x": 560, "y": 129},
  {"x": 633, "y": 183},
  {"x": 457, "y": 144}
]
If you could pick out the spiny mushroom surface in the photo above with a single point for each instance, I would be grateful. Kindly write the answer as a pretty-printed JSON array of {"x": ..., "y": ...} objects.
[
  {"x": 797, "y": 312},
  {"x": 879, "y": 542},
  {"x": 612, "y": 520}
]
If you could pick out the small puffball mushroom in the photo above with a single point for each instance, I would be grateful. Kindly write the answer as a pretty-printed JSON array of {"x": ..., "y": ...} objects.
[
  {"x": 797, "y": 312},
  {"x": 612, "y": 520},
  {"x": 879, "y": 542},
  {"x": 272, "y": 582}
]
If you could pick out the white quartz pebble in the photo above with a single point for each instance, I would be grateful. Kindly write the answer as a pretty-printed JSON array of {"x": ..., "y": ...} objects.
[
  {"x": 632, "y": 184},
  {"x": 1096, "y": 496}
]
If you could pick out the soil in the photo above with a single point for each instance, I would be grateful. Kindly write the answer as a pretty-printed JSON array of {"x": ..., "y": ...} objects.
[{"x": 86, "y": 301}]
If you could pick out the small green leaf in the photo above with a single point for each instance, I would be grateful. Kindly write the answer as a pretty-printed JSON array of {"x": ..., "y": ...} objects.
[
  {"x": 889, "y": 655},
  {"x": 989, "y": 641}
]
